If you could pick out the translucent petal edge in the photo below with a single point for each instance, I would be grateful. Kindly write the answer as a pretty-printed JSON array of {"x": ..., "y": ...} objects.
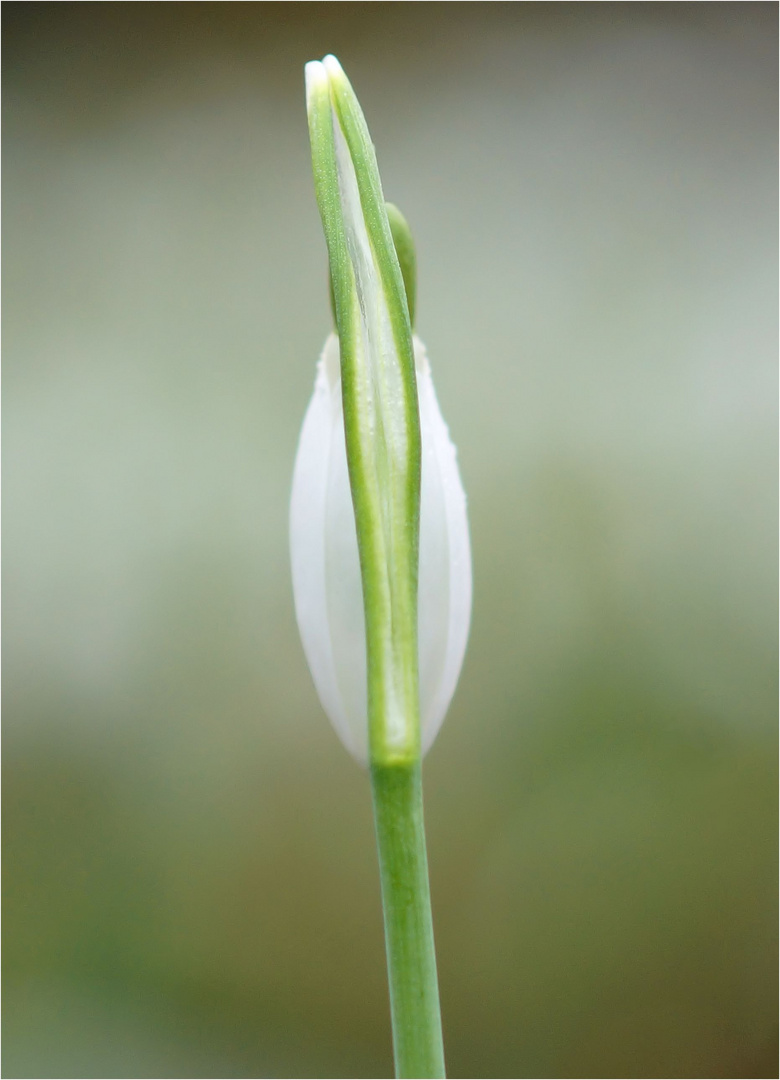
[
  {"x": 307, "y": 542},
  {"x": 435, "y": 434}
]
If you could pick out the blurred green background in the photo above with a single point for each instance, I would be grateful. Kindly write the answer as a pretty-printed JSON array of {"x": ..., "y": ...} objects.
[{"x": 190, "y": 878}]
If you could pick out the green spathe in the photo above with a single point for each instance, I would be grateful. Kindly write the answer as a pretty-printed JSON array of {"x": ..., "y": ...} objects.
[{"x": 379, "y": 393}]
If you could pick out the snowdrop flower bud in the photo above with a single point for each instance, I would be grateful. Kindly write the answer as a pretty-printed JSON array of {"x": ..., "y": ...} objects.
[{"x": 379, "y": 539}]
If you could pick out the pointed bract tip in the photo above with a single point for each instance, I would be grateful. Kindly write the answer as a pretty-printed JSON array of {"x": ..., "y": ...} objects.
[
  {"x": 332, "y": 66},
  {"x": 316, "y": 79}
]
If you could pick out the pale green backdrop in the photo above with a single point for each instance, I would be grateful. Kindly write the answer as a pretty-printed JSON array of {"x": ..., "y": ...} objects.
[{"x": 190, "y": 880}]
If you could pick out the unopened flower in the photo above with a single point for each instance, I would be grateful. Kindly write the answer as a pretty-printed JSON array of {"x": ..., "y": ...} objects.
[
  {"x": 326, "y": 568},
  {"x": 376, "y": 377}
]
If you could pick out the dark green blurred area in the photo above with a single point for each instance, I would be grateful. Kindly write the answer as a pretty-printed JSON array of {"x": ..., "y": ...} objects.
[{"x": 190, "y": 881}]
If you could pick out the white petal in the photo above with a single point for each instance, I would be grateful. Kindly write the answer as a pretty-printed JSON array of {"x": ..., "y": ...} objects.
[
  {"x": 326, "y": 570},
  {"x": 444, "y": 581}
]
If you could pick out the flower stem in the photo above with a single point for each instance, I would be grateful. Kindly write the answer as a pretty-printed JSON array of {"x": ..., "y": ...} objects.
[{"x": 406, "y": 900}]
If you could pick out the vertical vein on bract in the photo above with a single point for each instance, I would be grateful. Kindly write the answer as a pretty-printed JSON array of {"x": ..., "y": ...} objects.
[{"x": 376, "y": 379}]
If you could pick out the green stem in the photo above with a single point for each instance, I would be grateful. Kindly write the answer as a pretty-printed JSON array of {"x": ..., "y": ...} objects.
[{"x": 406, "y": 900}]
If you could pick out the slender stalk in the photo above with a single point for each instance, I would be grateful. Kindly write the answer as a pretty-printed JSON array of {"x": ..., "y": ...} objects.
[
  {"x": 406, "y": 900},
  {"x": 373, "y": 298}
]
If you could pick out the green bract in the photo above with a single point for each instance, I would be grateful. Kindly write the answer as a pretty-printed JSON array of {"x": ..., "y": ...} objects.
[{"x": 379, "y": 394}]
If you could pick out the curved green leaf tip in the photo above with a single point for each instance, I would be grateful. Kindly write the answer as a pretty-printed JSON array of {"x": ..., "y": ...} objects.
[{"x": 404, "y": 249}]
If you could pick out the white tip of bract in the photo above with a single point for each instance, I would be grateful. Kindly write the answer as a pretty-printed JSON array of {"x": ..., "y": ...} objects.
[
  {"x": 316, "y": 80},
  {"x": 333, "y": 67},
  {"x": 326, "y": 571}
]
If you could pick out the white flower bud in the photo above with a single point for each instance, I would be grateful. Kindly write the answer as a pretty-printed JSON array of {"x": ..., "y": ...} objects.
[{"x": 326, "y": 570}]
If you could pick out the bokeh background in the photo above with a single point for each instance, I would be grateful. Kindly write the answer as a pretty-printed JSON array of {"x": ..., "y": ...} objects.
[{"x": 190, "y": 878}]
